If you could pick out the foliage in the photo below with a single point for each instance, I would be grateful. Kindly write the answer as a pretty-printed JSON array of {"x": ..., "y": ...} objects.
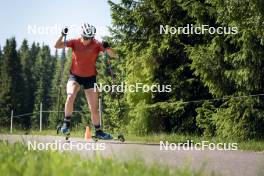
[{"x": 205, "y": 119}]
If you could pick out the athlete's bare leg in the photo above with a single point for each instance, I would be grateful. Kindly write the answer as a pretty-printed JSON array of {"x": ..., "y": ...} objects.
[
  {"x": 72, "y": 89},
  {"x": 92, "y": 100}
]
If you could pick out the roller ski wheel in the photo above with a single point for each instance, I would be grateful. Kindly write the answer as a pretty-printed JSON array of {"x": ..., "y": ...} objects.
[
  {"x": 121, "y": 138},
  {"x": 95, "y": 138},
  {"x": 58, "y": 129},
  {"x": 67, "y": 137}
]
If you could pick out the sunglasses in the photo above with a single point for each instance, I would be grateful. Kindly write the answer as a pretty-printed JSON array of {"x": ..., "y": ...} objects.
[{"x": 87, "y": 38}]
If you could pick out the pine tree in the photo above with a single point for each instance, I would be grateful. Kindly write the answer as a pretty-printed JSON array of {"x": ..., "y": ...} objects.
[
  {"x": 33, "y": 53},
  {"x": 0, "y": 58},
  {"x": 232, "y": 65},
  {"x": 11, "y": 74},
  {"x": 28, "y": 82},
  {"x": 153, "y": 58},
  {"x": 3, "y": 112},
  {"x": 54, "y": 120},
  {"x": 43, "y": 78}
]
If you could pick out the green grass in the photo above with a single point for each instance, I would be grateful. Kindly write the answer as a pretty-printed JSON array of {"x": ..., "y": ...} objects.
[
  {"x": 17, "y": 160},
  {"x": 251, "y": 145}
]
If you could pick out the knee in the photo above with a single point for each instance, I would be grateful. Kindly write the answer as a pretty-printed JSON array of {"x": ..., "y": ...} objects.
[
  {"x": 93, "y": 109},
  {"x": 71, "y": 97}
]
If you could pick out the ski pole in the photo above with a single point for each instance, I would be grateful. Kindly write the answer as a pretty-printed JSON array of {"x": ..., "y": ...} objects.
[
  {"x": 108, "y": 63},
  {"x": 63, "y": 56}
]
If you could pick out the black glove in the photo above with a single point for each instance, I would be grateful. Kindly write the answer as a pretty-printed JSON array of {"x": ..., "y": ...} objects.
[
  {"x": 105, "y": 44},
  {"x": 64, "y": 31}
]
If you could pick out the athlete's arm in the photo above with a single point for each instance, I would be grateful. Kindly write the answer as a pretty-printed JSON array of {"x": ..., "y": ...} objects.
[
  {"x": 109, "y": 51},
  {"x": 59, "y": 43}
]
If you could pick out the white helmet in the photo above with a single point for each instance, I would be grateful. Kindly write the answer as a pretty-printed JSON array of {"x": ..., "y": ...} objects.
[{"x": 88, "y": 30}]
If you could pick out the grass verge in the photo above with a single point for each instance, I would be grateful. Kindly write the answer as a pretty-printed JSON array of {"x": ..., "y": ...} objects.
[
  {"x": 16, "y": 159},
  {"x": 249, "y": 145}
]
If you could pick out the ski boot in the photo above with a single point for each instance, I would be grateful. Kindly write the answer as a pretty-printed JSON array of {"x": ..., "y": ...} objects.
[
  {"x": 65, "y": 129},
  {"x": 102, "y": 135}
]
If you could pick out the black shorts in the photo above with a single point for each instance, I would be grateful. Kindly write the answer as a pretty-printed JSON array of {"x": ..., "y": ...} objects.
[{"x": 86, "y": 82}]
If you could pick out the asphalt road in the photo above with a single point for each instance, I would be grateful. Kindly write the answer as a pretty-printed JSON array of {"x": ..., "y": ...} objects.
[{"x": 226, "y": 163}]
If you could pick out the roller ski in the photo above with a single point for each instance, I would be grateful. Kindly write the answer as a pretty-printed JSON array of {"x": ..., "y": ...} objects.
[{"x": 100, "y": 135}]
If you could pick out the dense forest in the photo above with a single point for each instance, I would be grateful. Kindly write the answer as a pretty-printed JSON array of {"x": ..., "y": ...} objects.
[{"x": 216, "y": 79}]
